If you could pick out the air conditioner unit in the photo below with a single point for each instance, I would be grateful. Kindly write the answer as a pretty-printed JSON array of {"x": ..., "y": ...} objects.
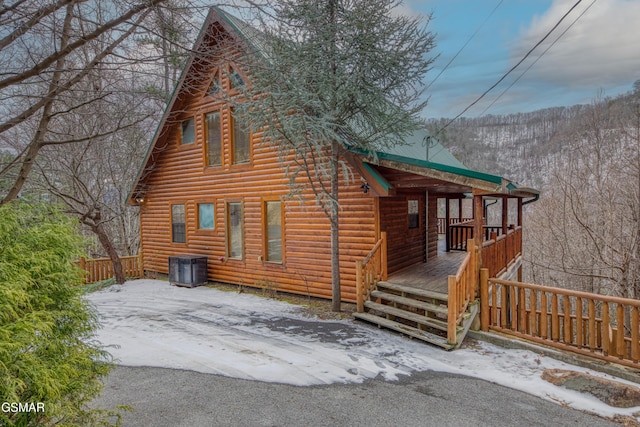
[{"x": 188, "y": 270}]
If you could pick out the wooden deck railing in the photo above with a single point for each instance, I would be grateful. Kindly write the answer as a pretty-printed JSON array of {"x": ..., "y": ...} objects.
[
  {"x": 452, "y": 221},
  {"x": 462, "y": 290},
  {"x": 460, "y": 233},
  {"x": 590, "y": 324},
  {"x": 499, "y": 252},
  {"x": 102, "y": 268},
  {"x": 371, "y": 270}
]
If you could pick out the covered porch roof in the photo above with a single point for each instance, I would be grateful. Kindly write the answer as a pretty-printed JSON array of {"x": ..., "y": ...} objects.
[
  {"x": 388, "y": 173},
  {"x": 423, "y": 163}
]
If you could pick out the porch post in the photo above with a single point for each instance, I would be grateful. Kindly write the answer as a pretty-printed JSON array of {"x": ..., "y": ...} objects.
[
  {"x": 446, "y": 226},
  {"x": 359, "y": 287},
  {"x": 383, "y": 256},
  {"x": 484, "y": 300},
  {"x": 520, "y": 211},
  {"x": 478, "y": 210},
  {"x": 505, "y": 214},
  {"x": 460, "y": 209}
]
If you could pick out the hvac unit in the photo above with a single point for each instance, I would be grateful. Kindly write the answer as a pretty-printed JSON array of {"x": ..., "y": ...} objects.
[{"x": 188, "y": 270}]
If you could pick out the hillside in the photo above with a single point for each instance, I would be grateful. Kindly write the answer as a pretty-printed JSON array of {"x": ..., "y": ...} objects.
[{"x": 520, "y": 146}]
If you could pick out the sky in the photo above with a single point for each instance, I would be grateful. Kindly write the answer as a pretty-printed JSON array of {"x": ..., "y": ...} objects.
[
  {"x": 151, "y": 323},
  {"x": 598, "y": 54}
]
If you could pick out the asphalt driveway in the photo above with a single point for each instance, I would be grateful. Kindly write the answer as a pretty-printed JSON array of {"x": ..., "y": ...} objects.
[
  {"x": 202, "y": 356},
  {"x": 172, "y": 398}
]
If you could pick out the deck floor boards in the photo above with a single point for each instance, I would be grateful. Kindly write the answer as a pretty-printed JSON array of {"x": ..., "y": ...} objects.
[{"x": 431, "y": 275}]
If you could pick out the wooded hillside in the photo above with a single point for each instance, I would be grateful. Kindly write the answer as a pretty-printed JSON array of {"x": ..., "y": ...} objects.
[{"x": 584, "y": 232}]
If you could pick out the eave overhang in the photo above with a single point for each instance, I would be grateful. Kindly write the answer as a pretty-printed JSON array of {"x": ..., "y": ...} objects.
[{"x": 464, "y": 177}]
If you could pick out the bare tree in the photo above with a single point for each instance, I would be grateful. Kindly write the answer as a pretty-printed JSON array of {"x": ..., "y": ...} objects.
[
  {"x": 46, "y": 51},
  {"x": 92, "y": 177},
  {"x": 585, "y": 232},
  {"x": 81, "y": 110}
]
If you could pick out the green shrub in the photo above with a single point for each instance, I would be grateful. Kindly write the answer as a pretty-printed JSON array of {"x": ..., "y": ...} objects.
[{"x": 47, "y": 352}]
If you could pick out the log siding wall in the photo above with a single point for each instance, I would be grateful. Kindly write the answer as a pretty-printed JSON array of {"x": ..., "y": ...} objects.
[
  {"x": 405, "y": 246},
  {"x": 180, "y": 175}
]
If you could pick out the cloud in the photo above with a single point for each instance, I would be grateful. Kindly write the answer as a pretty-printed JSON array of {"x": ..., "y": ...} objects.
[{"x": 600, "y": 50}]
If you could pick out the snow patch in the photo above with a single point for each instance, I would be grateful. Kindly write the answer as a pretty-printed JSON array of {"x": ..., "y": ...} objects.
[{"x": 151, "y": 323}]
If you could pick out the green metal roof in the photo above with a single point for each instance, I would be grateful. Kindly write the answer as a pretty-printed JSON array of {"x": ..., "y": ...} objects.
[
  {"x": 421, "y": 146},
  {"x": 462, "y": 171},
  {"x": 419, "y": 149}
]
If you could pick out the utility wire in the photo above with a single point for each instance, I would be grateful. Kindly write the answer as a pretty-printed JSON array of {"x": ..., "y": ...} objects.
[
  {"x": 465, "y": 45},
  {"x": 538, "y": 58},
  {"x": 510, "y": 70}
]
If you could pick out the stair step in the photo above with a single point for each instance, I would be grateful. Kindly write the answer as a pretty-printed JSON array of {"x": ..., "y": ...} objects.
[
  {"x": 423, "y": 293},
  {"x": 417, "y": 318},
  {"x": 472, "y": 312},
  {"x": 405, "y": 329},
  {"x": 410, "y": 302}
]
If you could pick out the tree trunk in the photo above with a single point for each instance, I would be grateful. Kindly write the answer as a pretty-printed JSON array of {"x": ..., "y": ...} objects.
[
  {"x": 335, "y": 230},
  {"x": 111, "y": 251},
  {"x": 335, "y": 171}
]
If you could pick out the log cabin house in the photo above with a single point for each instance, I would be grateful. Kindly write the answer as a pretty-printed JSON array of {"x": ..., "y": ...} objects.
[{"x": 209, "y": 187}]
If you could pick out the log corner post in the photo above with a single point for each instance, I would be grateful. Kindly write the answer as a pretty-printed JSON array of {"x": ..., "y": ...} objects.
[
  {"x": 452, "y": 314},
  {"x": 140, "y": 264},
  {"x": 484, "y": 299},
  {"x": 359, "y": 287},
  {"x": 475, "y": 267},
  {"x": 383, "y": 256}
]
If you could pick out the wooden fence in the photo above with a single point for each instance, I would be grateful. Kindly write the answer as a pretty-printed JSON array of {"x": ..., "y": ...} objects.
[
  {"x": 102, "y": 268},
  {"x": 590, "y": 324},
  {"x": 461, "y": 290},
  {"x": 371, "y": 270}
]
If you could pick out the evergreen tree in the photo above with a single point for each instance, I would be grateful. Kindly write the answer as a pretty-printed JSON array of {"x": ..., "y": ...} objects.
[
  {"x": 47, "y": 355},
  {"x": 334, "y": 75}
]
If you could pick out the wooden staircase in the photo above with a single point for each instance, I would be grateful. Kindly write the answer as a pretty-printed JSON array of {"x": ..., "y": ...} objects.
[{"x": 415, "y": 312}]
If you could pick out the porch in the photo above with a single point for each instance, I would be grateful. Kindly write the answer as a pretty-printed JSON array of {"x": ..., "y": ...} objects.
[
  {"x": 432, "y": 275},
  {"x": 434, "y": 301}
]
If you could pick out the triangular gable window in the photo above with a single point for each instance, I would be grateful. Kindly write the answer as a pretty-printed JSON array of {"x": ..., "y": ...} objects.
[
  {"x": 215, "y": 87},
  {"x": 236, "y": 79}
]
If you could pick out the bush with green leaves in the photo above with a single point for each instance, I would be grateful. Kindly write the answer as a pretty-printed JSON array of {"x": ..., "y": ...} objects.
[{"x": 48, "y": 355}]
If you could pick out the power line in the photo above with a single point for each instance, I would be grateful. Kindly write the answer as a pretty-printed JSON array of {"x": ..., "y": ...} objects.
[
  {"x": 538, "y": 58},
  {"x": 465, "y": 45},
  {"x": 510, "y": 70}
]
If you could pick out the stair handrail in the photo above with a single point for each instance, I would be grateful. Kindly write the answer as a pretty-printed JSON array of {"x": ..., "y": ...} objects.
[
  {"x": 371, "y": 270},
  {"x": 462, "y": 290}
]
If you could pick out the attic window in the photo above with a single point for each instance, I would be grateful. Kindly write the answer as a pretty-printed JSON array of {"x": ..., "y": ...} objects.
[
  {"x": 215, "y": 87},
  {"x": 188, "y": 132},
  {"x": 235, "y": 79}
]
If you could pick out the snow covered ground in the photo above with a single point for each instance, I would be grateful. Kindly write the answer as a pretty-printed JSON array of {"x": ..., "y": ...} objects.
[{"x": 151, "y": 323}]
